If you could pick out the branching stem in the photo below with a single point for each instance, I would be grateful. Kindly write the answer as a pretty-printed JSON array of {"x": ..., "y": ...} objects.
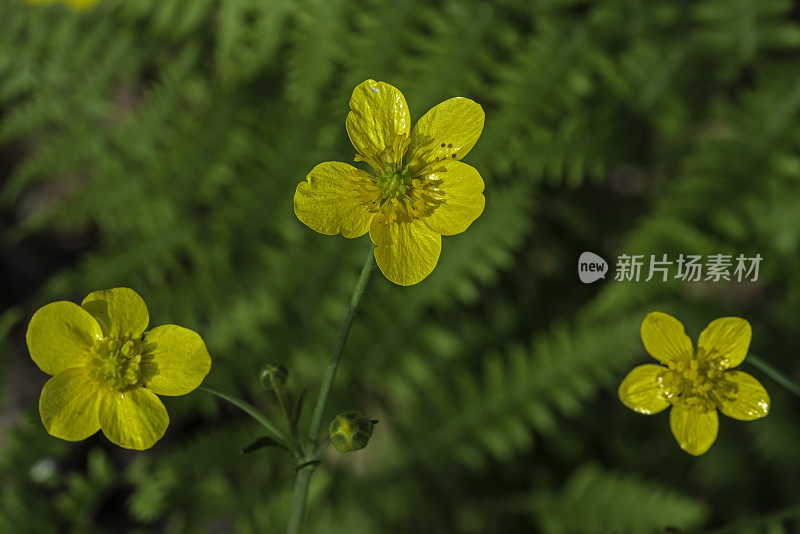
[{"x": 308, "y": 465}]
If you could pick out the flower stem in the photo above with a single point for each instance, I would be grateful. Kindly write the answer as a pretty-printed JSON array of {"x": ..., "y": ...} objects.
[
  {"x": 301, "y": 484},
  {"x": 774, "y": 374},
  {"x": 304, "y": 473},
  {"x": 296, "y": 446},
  {"x": 251, "y": 410}
]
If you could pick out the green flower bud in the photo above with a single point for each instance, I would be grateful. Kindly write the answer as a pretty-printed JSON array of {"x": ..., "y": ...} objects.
[
  {"x": 350, "y": 431},
  {"x": 273, "y": 376}
]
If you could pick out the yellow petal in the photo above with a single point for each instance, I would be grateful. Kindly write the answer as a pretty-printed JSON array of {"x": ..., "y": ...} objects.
[
  {"x": 458, "y": 199},
  {"x": 180, "y": 358},
  {"x": 335, "y": 198},
  {"x": 135, "y": 419},
  {"x": 121, "y": 312},
  {"x": 60, "y": 335},
  {"x": 452, "y": 127},
  {"x": 694, "y": 426},
  {"x": 728, "y": 338},
  {"x": 69, "y": 405},
  {"x": 641, "y": 390},
  {"x": 742, "y": 396},
  {"x": 407, "y": 249},
  {"x": 665, "y": 339},
  {"x": 378, "y": 116}
]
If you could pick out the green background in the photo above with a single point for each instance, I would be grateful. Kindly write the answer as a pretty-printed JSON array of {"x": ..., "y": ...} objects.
[{"x": 157, "y": 145}]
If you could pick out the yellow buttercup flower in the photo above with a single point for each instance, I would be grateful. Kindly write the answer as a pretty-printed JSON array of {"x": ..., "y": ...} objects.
[
  {"x": 695, "y": 382},
  {"x": 107, "y": 371},
  {"x": 419, "y": 189}
]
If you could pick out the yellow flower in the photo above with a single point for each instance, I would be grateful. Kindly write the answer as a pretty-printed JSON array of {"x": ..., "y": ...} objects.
[
  {"x": 419, "y": 189},
  {"x": 106, "y": 373},
  {"x": 77, "y": 5},
  {"x": 696, "y": 382}
]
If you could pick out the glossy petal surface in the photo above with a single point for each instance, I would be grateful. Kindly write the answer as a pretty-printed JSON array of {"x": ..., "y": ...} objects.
[
  {"x": 60, "y": 336},
  {"x": 135, "y": 419},
  {"x": 450, "y": 128},
  {"x": 180, "y": 357},
  {"x": 121, "y": 312},
  {"x": 407, "y": 250},
  {"x": 694, "y": 427},
  {"x": 335, "y": 198},
  {"x": 728, "y": 338},
  {"x": 378, "y": 115},
  {"x": 748, "y": 399},
  {"x": 665, "y": 339},
  {"x": 69, "y": 405},
  {"x": 640, "y": 390},
  {"x": 460, "y": 197}
]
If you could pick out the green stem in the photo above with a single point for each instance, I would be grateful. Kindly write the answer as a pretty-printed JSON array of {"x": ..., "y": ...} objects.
[
  {"x": 338, "y": 349},
  {"x": 773, "y": 373},
  {"x": 322, "y": 446},
  {"x": 304, "y": 474},
  {"x": 301, "y": 484},
  {"x": 283, "y": 400},
  {"x": 253, "y": 412}
]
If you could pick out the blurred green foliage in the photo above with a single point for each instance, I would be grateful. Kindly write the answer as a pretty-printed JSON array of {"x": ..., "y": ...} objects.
[{"x": 167, "y": 138}]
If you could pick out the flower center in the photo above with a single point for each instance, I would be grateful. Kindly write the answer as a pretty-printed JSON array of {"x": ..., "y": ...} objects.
[
  {"x": 118, "y": 364},
  {"x": 395, "y": 184},
  {"x": 695, "y": 381}
]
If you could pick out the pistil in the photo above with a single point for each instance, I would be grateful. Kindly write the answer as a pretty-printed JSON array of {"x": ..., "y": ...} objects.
[
  {"x": 394, "y": 185},
  {"x": 117, "y": 363}
]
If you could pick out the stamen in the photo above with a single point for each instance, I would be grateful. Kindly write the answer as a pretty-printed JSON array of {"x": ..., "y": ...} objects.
[
  {"x": 693, "y": 382},
  {"x": 119, "y": 364}
]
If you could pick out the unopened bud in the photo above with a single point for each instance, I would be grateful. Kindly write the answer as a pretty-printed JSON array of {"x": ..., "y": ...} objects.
[
  {"x": 273, "y": 376},
  {"x": 350, "y": 431}
]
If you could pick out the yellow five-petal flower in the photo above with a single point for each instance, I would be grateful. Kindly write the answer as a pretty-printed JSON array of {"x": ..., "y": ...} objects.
[
  {"x": 695, "y": 382},
  {"x": 107, "y": 371},
  {"x": 419, "y": 189}
]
